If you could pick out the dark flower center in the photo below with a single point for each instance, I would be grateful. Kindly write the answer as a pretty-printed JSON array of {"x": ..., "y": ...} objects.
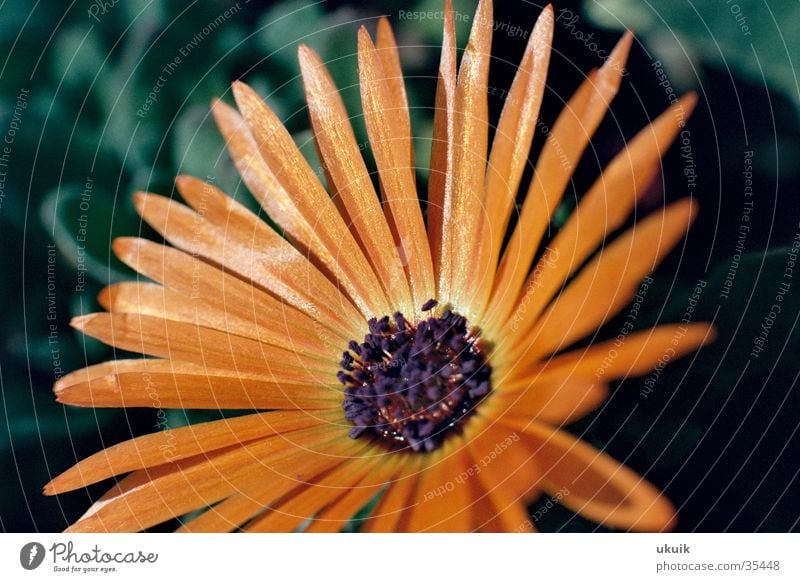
[{"x": 412, "y": 384}]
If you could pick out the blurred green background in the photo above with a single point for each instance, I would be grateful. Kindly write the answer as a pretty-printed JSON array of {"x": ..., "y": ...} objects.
[{"x": 82, "y": 132}]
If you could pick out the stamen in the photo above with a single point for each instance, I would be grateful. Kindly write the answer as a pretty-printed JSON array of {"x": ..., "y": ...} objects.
[{"x": 413, "y": 384}]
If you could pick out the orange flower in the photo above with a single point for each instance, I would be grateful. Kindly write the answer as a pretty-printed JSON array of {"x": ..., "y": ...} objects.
[{"x": 391, "y": 358}]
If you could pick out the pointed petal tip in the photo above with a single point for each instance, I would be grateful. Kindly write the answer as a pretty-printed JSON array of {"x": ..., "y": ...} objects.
[
  {"x": 81, "y": 322},
  {"x": 688, "y": 103},
  {"x": 619, "y": 56},
  {"x": 140, "y": 199},
  {"x": 219, "y": 107},
  {"x": 242, "y": 92},
  {"x": 683, "y": 210},
  {"x": 483, "y": 23},
  {"x": 693, "y": 208},
  {"x": 104, "y": 298},
  {"x": 307, "y": 55},
  {"x": 123, "y": 245},
  {"x": 625, "y": 43},
  {"x": 365, "y": 42},
  {"x": 711, "y": 334},
  {"x": 183, "y": 181}
]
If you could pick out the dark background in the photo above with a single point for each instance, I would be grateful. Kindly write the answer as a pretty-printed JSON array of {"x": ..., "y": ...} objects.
[{"x": 719, "y": 431}]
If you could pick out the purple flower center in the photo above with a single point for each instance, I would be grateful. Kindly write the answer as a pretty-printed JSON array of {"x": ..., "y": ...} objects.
[{"x": 413, "y": 384}]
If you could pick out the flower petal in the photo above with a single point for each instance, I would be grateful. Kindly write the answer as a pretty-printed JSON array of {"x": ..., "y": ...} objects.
[
  {"x": 337, "y": 249},
  {"x": 297, "y": 280},
  {"x": 203, "y": 346},
  {"x": 225, "y": 516},
  {"x": 509, "y": 513},
  {"x": 341, "y": 511},
  {"x": 277, "y": 267},
  {"x": 511, "y": 145},
  {"x": 212, "y": 390},
  {"x": 261, "y": 180},
  {"x": 604, "y": 208},
  {"x": 595, "y": 485},
  {"x": 140, "y": 365},
  {"x": 565, "y": 146},
  {"x": 444, "y": 499},
  {"x": 151, "y": 496},
  {"x": 254, "y": 499},
  {"x": 629, "y": 355},
  {"x": 357, "y": 199},
  {"x": 498, "y": 453},
  {"x": 462, "y": 234},
  {"x": 152, "y": 299},
  {"x": 308, "y": 499},
  {"x": 606, "y": 284},
  {"x": 552, "y": 398},
  {"x": 397, "y": 178},
  {"x": 440, "y": 181},
  {"x": 390, "y": 58},
  {"x": 391, "y": 512},
  {"x": 170, "y": 446}
]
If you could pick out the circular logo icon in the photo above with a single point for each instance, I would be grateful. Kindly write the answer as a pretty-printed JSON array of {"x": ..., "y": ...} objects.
[{"x": 31, "y": 555}]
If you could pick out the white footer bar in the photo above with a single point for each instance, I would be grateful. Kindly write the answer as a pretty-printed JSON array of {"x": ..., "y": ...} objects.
[{"x": 351, "y": 558}]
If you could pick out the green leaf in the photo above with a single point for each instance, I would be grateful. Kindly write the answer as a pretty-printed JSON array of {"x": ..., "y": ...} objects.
[
  {"x": 286, "y": 25},
  {"x": 747, "y": 37},
  {"x": 199, "y": 150},
  {"x": 81, "y": 218}
]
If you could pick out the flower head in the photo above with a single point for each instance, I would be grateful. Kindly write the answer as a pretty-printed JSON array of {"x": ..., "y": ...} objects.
[{"x": 412, "y": 355}]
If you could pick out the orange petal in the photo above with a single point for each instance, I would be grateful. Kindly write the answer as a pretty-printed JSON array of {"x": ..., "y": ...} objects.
[
  {"x": 261, "y": 180},
  {"x": 205, "y": 283},
  {"x": 141, "y": 365},
  {"x": 443, "y": 497},
  {"x": 298, "y": 281},
  {"x": 357, "y": 199},
  {"x": 552, "y": 398},
  {"x": 607, "y": 283},
  {"x": 391, "y": 512},
  {"x": 596, "y": 486},
  {"x": 511, "y": 145},
  {"x": 338, "y": 250},
  {"x": 225, "y": 516},
  {"x": 565, "y": 145},
  {"x": 212, "y": 390},
  {"x": 397, "y": 178},
  {"x": 628, "y": 355},
  {"x": 278, "y": 267},
  {"x": 509, "y": 512},
  {"x": 440, "y": 182},
  {"x": 604, "y": 208},
  {"x": 500, "y": 453},
  {"x": 170, "y": 446},
  {"x": 254, "y": 499},
  {"x": 341, "y": 511},
  {"x": 207, "y": 347},
  {"x": 152, "y": 299},
  {"x": 462, "y": 240},
  {"x": 390, "y": 58},
  {"x": 308, "y": 499},
  {"x": 151, "y": 496}
]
